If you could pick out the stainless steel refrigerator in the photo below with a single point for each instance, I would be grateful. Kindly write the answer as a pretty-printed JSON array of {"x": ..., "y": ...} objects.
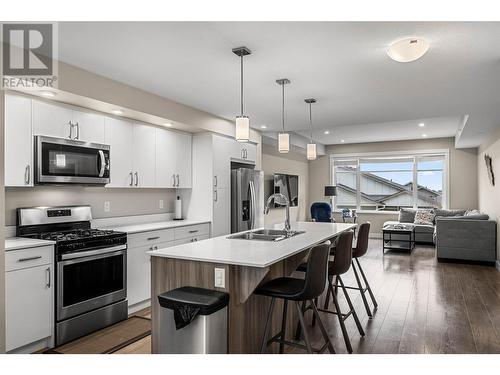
[{"x": 247, "y": 199}]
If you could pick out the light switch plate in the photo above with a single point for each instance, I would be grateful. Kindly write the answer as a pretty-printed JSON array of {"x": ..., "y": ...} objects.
[
  {"x": 160, "y": 203},
  {"x": 220, "y": 277},
  {"x": 107, "y": 206}
]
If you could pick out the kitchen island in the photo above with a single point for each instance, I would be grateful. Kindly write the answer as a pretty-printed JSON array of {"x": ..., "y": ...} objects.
[{"x": 246, "y": 264}]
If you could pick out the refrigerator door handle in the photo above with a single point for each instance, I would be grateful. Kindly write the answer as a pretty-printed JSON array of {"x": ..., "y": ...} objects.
[{"x": 252, "y": 207}]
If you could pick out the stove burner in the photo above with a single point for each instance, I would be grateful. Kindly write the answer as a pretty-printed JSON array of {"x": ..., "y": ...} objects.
[{"x": 75, "y": 234}]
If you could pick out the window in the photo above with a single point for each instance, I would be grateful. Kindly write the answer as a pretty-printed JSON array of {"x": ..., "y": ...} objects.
[{"x": 388, "y": 183}]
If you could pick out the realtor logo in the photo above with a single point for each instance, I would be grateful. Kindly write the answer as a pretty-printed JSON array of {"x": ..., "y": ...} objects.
[{"x": 29, "y": 55}]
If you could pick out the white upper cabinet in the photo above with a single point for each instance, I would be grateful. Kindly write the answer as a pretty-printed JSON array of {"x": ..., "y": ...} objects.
[
  {"x": 144, "y": 155},
  {"x": 165, "y": 158},
  {"x": 119, "y": 134},
  {"x": 245, "y": 151},
  {"x": 18, "y": 141},
  {"x": 89, "y": 127},
  {"x": 183, "y": 160},
  {"x": 173, "y": 159},
  {"x": 52, "y": 120},
  {"x": 223, "y": 151}
]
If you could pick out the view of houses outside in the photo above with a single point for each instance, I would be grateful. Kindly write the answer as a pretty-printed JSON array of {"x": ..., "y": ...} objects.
[{"x": 388, "y": 185}]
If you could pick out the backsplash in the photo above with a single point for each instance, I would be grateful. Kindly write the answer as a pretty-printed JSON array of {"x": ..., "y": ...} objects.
[{"x": 123, "y": 201}]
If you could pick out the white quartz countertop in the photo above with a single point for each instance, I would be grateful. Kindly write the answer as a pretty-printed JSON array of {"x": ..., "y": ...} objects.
[
  {"x": 146, "y": 227},
  {"x": 254, "y": 253},
  {"x": 16, "y": 243}
]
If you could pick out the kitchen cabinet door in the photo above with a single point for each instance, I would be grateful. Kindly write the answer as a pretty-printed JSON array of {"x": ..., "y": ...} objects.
[
  {"x": 144, "y": 155},
  {"x": 223, "y": 150},
  {"x": 18, "y": 141},
  {"x": 139, "y": 272},
  {"x": 29, "y": 296},
  {"x": 221, "y": 224},
  {"x": 166, "y": 143},
  {"x": 90, "y": 127},
  {"x": 183, "y": 160},
  {"x": 52, "y": 120},
  {"x": 250, "y": 152},
  {"x": 119, "y": 135}
]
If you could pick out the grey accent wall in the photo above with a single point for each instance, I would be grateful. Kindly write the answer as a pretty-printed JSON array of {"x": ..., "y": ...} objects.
[
  {"x": 2, "y": 224},
  {"x": 292, "y": 163},
  {"x": 463, "y": 173},
  {"x": 123, "y": 201}
]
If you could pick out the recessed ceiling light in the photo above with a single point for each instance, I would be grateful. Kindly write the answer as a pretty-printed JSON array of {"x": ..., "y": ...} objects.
[
  {"x": 408, "y": 49},
  {"x": 327, "y": 132},
  {"x": 117, "y": 112},
  {"x": 424, "y": 135},
  {"x": 168, "y": 124},
  {"x": 263, "y": 127},
  {"x": 48, "y": 94},
  {"x": 421, "y": 124},
  {"x": 342, "y": 141}
]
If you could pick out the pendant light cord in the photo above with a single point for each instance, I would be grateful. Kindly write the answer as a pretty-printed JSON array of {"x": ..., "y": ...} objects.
[
  {"x": 310, "y": 123},
  {"x": 241, "y": 85},
  {"x": 283, "y": 106}
]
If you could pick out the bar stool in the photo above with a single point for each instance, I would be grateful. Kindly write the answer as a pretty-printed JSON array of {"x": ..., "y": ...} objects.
[
  {"x": 296, "y": 291},
  {"x": 340, "y": 265},
  {"x": 357, "y": 252}
]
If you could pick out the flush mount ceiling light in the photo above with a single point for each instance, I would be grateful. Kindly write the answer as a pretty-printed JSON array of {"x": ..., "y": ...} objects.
[
  {"x": 283, "y": 137},
  {"x": 263, "y": 127},
  {"x": 48, "y": 94},
  {"x": 424, "y": 135},
  {"x": 326, "y": 132},
  {"x": 342, "y": 140},
  {"x": 408, "y": 49},
  {"x": 311, "y": 147},
  {"x": 168, "y": 124},
  {"x": 421, "y": 125},
  {"x": 117, "y": 112},
  {"x": 242, "y": 133}
]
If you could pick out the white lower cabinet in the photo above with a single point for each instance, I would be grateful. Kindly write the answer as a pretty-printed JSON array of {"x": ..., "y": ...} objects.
[
  {"x": 221, "y": 224},
  {"x": 29, "y": 296}
]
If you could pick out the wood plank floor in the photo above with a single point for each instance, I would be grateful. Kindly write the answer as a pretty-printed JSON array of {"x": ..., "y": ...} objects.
[{"x": 424, "y": 307}]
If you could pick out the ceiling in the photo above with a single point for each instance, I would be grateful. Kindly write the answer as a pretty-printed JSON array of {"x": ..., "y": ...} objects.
[{"x": 362, "y": 95}]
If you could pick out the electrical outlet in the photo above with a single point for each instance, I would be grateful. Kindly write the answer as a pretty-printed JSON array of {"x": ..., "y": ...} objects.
[
  {"x": 220, "y": 277},
  {"x": 160, "y": 203},
  {"x": 107, "y": 206}
]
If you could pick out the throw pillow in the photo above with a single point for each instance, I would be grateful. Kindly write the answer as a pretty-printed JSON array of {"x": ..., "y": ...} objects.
[
  {"x": 406, "y": 215},
  {"x": 424, "y": 217},
  {"x": 472, "y": 213}
]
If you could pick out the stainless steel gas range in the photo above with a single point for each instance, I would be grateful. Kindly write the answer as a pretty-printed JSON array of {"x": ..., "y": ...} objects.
[{"x": 91, "y": 268}]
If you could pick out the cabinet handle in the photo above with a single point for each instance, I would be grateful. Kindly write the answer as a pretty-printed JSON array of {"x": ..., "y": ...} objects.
[
  {"x": 136, "y": 178},
  {"x": 131, "y": 179},
  {"x": 193, "y": 231},
  {"x": 70, "y": 130},
  {"x": 49, "y": 282},
  {"x": 77, "y": 131},
  {"x": 195, "y": 239},
  {"x": 215, "y": 181},
  {"x": 27, "y": 174},
  {"x": 215, "y": 195},
  {"x": 30, "y": 258},
  {"x": 173, "y": 177},
  {"x": 153, "y": 238},
  {"x": 177, "y": 181}
]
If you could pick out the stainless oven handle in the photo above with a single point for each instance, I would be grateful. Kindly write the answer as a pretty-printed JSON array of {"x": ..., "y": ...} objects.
[
  {"x": 84, "y": 254},
  {"x": 103, "y": 163}
]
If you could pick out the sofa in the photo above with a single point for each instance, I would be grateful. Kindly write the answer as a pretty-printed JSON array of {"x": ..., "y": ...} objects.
[{"x": 457, "y": 234}]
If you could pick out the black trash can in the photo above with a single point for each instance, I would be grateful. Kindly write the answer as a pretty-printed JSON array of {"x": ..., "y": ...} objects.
[{"x": 193, "y": 321}]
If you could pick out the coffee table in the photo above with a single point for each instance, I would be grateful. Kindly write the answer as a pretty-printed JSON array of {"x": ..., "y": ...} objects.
[{"x": 398, "y": 237}]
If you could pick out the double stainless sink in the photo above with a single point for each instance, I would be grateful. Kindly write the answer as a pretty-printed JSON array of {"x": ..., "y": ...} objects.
[{"x": 266, "y": 235}]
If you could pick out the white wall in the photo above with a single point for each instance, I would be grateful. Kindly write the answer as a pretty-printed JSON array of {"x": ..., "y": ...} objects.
[
  {"x": 2, "y": 219},
  {"x": 489, "y": 195},
  {"x": 274, "y": 162}
]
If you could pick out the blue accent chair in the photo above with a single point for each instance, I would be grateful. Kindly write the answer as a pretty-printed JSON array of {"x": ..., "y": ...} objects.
[{"x": 321, "y": 212}]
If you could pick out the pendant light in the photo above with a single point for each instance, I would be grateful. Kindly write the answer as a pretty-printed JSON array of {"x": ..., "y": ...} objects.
[
  {"x": 283, "y": 137},
  {"x": 242, "y": 132},
  {"x": 311, "y": 146}
]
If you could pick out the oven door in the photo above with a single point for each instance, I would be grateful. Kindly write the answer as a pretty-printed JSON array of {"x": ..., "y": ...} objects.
[
  {"x": 67, "y": 161},
  {"x": 91, "y": 279}
]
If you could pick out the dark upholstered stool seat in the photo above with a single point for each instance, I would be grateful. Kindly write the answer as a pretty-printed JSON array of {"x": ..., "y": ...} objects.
[{"x": 283, "y": 287}]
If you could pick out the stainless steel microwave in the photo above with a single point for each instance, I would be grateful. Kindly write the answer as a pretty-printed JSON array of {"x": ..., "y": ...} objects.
[{"x": 66, "y": 161}]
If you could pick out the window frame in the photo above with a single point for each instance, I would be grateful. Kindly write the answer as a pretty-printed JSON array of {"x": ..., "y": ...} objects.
[{"x": 415, "y": 154}]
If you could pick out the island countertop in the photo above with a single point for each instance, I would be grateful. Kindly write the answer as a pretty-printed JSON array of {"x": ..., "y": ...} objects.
[{"x": 260, "y": 254}]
